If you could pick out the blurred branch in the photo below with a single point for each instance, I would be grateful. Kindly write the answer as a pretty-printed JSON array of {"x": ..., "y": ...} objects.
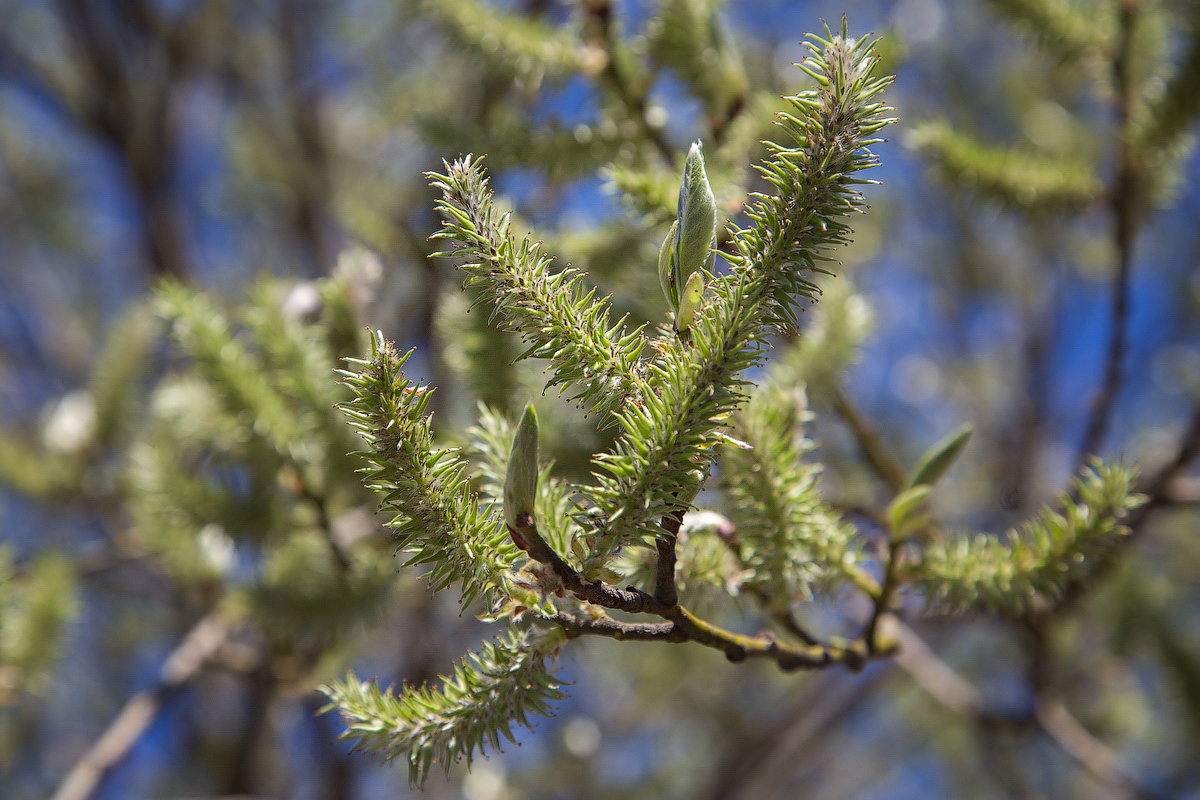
[
  {"x": 122, "y": 106},
  {"x": 139, "y": 712},
  {"x": 1159, "y": 488},
  {"x": 869, "y": 441},
  {"x": 772, "y": 752},
  {"x": 312, "y": 182},
  {"x": 1123, "y": 204},
  {"x": 600, "y": 14},
  {"x": 1050, "y": 716}
]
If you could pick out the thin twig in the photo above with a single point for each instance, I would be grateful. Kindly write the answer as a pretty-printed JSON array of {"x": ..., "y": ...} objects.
[
  {"x": 888, "y": 468},
  {"x": 140, "y": 710}
]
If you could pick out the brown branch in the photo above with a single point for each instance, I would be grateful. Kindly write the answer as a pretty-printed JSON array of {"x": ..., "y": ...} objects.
[
  {"x": 664, "y": 572},
  {"x": 685, "y": 625},
  {"x": 140, "y": 710},
  {"x": 1158, "y": 487},
  {"x": 761, "y": 759},
  {"x": 621, "y": 631}
]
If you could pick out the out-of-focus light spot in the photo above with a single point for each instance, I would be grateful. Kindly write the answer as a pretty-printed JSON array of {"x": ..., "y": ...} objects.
[
  {"x": 218, "y": 549},
  {"x": 581, "y": 737},
  {"x": 582, "y": 133},
  {"x": 1048, "y": 125},
  {"x": 485, "y": 781},
  {"x": 656, "y": 116},
  {"x": 915, "y": 379},
  {"x": 303, "y": 302},
  {"x": 919, "y": 21},
  {"x": 71, "y": 424}
]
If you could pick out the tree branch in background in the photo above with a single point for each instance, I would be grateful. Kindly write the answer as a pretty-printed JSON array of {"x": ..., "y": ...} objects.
[
  {"x": 869, "y": 441},
  {"x": 140, "y": 710},
  {"x": 938, "y": 680},
  {"x": 1123, "y": 202}
]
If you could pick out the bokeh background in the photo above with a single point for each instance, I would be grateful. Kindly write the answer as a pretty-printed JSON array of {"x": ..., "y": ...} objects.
[{"x": 270, "y": 155}]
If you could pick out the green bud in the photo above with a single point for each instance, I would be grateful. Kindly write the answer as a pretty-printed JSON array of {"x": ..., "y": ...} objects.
[
  {"x": 520, "y": 484},
  {"x": 666, "y": 268},
  {"x": 696, "y": 232},
  {"x": 689, "y": 301}
]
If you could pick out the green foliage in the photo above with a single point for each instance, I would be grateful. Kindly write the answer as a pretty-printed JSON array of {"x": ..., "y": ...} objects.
[
  {"x": 679, "y": 398},
  {"x": 1070, "y": 29},
  {"x": 473, "y": 708},
  {"x": 666, "y": 448},
  {"x": 1170, "y": 112},
  {"x": 36, "y": 607},
  {"x": 436, "y": 515},
  {"x": 243, "y": 459},
  {"x": 563, "y": 322},
  {"x": 690, "y": 38},
  {"x": 831, "y": 130},
  {"x": 703, "y": 507},
  {"x": 1156, "y": 106},
  {"x": 938, "y": 459},
  {"x": 520, "y": 481},
  {"x": 1011, "y": 177},
  {"x": 525, "y": 48},
  {"x": 1040, "y": 562},
  {"x": 488, "y": 444},
  {"x": 793, "y": 545}
]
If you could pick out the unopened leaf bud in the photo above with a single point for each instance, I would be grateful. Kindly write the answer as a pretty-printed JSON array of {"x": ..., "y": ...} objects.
[
  {"x": 520, "y": 483},
  {"x": 696, "y": 231}
]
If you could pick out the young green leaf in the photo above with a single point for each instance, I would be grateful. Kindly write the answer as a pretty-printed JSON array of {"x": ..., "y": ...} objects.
[
  {"x": 666, "y": 268},
  {"x": 939, "y": 458},
  {"x": 907, "y": 511},
  {"x": 689, "y": 301}
]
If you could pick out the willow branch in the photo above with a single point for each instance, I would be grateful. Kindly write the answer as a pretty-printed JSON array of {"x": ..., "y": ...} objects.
[
  {"x": 1158, "y": 490},
  {"x": 664, "y": 575},
  {"x": 621, "y": 631},
  {"x": 685, "y": 626}
]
